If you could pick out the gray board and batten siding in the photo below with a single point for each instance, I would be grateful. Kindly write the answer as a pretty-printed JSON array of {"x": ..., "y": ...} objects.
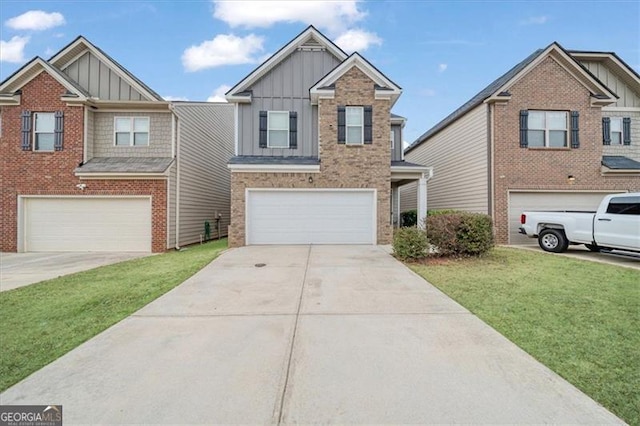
[
  {"x": 101, "y": 81},
  {"x": 627, "y": 98},
  {"x": 286, "y": 88},
  {"x": 205, "y": 145}
]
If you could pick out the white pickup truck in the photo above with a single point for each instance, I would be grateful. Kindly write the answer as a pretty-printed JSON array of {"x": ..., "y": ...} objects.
[{"x": 615, "y": 225}]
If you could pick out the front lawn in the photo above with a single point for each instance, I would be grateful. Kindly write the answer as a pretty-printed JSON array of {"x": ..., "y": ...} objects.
[
  {"x": 41, "y": 322},
  {"x": 580, "y": 318}
]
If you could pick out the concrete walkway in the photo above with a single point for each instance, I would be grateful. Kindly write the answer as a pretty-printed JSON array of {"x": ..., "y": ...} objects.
[
  {"x": 322, "y": 334},
  {"x": 21, "y": 269}
]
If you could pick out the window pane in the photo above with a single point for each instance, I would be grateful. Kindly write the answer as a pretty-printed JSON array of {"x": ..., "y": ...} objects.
[
  {"x": 45, "y": 122},
  {"x": 354, "y": 116},
  {"x": 557, "y": 139},
  {"x": 141, "y": 139},
  {"x": 354, "y": 135},
  {"x": 122, "y": 139},
  {"x": 536, "y": 120},
  {"x": 393, "y": 137},
  {"x": 279, "y": 138},
  {"x": 44, "y": 142},
  {"x": 536, "y": 138},
  {"x": 557, "y": 120},
  {"x": 279, "y": 120},
  {"x": 141, "y": 125},
  {"x": 123, "y": 124},
  {"x": 616, "y": 124},
  {"x": 616, "y": 138}
]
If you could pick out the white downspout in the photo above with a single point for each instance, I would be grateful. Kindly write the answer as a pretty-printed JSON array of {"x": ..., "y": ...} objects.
[
  {"x": 86, "y": 135},
  {"x": 175, "y": 152}
]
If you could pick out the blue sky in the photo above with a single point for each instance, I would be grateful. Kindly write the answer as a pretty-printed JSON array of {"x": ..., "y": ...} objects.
[{"x": 440, "y": 52}]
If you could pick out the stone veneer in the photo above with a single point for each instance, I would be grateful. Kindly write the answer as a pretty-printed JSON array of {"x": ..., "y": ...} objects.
[{"x": 341, "y": 166}]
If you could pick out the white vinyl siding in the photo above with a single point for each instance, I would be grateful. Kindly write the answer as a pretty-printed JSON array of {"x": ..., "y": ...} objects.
[
  {"x": 354, "y": 125},
  {"x": 459, "y": 157},
  {"x": 65, "y": 224},
  {"x": 43, "y": 131},
  {"x": 310, "y": 217},
  {"x": 278, "y": 129}
]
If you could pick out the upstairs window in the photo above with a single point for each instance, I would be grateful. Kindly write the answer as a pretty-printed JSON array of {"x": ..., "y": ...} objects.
[
  {"x": 616, "y": 130},
  {"x": 393, "y": 139},
  {"x": 131, "y": 131},
  {"x": 278, "y": 129},
  {"x": 355, "y": 125},
  {"x": 44, "y": 131},
  {"x": 547, "y": 129}
]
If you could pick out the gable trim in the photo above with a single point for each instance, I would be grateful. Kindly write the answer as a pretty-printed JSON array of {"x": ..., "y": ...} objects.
[{"x": 233, "y": 94}]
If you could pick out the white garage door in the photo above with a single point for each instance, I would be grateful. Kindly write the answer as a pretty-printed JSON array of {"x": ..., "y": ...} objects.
[
  {"x": 87, "y": 224},
  {"x": 311, "y": 217},
  {"x": 547, "y": 201}
]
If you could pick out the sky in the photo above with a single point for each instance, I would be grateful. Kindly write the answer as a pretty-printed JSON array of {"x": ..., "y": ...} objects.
[{"x": 440, "y": 52}]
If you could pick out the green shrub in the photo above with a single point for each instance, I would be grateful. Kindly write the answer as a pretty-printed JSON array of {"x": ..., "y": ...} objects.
[
  {"x": 460, "y": 234},
  {"x": 409, "y": 218},
  {"x": 439, "y": 212},
  {"x": 410, "y": 243}
]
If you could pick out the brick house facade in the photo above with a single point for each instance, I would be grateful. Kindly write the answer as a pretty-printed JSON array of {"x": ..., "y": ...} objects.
[{"x": 504, "y": 173}]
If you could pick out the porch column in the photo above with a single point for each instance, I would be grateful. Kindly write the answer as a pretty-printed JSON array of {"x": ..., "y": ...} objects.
[{"x": 422, "y": 201}]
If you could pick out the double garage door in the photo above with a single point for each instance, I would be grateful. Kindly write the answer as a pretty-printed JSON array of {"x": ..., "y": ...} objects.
[
  {"x": 86, "y": 224},
  {"x": 313, "y": 216},
  {"x": 547, "y": 201}
]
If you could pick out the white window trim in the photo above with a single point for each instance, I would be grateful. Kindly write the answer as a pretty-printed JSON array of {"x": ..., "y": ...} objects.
[
  {"x": 269, "y": 130},
  {"x": 621, "y": 131},
  {"x": 346, "y": 125},
  {"x": 131, "y": 131},
  {"x": 546, "y": 130},
  {"x": 393, "y": 139},
  {"x": 35, "y": 115}
]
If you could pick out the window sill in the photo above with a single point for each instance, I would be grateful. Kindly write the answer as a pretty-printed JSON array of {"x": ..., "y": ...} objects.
[
  {"x": 544, "y": 148},
  {"x": 43, "y": 152},
  {"x": 353, "y": 145}
]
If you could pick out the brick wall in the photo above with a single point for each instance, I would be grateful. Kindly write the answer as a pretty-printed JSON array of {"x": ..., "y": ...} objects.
[
  {"x": 159, "y": 136},
  {"x": 341, "y": 166},
  {"x": 548, "y": 87},
  {"x": 51, "y": 173}
]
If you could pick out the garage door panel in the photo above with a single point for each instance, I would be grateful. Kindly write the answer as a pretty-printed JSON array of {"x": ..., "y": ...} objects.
[
  {"x": 88, "y": 224},
  {"x": 310, "y": 217},
  {"x": 547, "y": 201}
]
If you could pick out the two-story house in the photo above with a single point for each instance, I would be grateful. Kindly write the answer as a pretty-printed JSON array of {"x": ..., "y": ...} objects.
[
  {"x": 318, "y": 155},
  {"x": 558, "y": 131},
  {"x": 94, "y": 160}
]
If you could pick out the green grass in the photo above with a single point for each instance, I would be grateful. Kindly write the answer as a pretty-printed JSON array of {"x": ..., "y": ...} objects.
[
  {"x": 580, "y": 318},
  {"x": 42, "y": 322}
]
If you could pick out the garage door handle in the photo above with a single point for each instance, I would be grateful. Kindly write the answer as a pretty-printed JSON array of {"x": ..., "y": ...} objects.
[{"x": 604, "y": 220}]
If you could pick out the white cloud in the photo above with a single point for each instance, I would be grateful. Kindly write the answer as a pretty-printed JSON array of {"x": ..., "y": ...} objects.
[
  {"x": 535, "y": 20},
  {"x": 224, "y": 49},
  {"x": 357, "y": 40},
  {"x": 218, "y": 94},
  {"x": 175, "y": 98},
  {"x": 36, "y": 20},
  {"x": 334, "y": 16},
  {"x": 442, "y": 67},
  {"x": 428, "y": 92},
  {"x": 13, "y": 50}
]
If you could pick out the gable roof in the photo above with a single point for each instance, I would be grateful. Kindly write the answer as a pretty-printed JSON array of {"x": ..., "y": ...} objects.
[
  {"x": 383, "y": 84},
  {"x": 77, "y": 47},
  {"x": 612, "y": 61},
  {"x": 497, "y": 89},
  {"x": 32, "y": 69},
  {"x": 310, "y": 34}
]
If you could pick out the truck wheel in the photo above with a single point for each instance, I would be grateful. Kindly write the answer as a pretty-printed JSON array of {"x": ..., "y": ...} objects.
[
  {"x": 592, "y": 247},
  {"x": 553, "y": 240}
]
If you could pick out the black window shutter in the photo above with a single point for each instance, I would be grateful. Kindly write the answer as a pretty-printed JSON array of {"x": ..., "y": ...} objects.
[
  {"x": 58, "y": 131},
  {"x": 368, "y": 124},
  {"x": 26, "y": 130},
  {"x": 524, "y": 127},
  {"x": 342, "y": 124},
  {"x": 606, "y": 131},
  {"x": 626, "y": 131},
  {"x": 262, "y": 138},
  {"x": 293, "y": 129},
  {"x": 575, "y": 129}
]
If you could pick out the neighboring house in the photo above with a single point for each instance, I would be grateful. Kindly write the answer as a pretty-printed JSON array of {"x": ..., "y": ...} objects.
[
  {"x": 94, "y": 160},
  {"x": 318, "y": 152},
  {"x": 558, "y": 131}
]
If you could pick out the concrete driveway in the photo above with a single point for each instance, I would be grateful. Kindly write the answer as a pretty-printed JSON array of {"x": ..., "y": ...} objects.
[
  {"x": 20, "y": 269},
  {"x": 321, "y": 334},
  {"x": 617, "y": 258}
]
